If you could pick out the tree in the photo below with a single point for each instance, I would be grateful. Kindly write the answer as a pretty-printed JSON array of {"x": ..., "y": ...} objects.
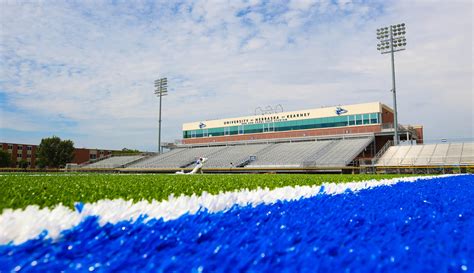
[
  {"x": 126, "y": 151},
  {"x": 54, "y": 152},
  {"x": 23, "y": 164},
  {"x": 5, "y": 159}
]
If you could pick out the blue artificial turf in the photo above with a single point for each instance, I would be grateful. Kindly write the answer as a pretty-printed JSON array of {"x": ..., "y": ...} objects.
[{"x": 426, "y": 226}]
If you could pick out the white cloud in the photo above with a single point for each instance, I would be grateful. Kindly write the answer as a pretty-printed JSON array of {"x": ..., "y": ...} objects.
[{"x": 95, "y": 63}]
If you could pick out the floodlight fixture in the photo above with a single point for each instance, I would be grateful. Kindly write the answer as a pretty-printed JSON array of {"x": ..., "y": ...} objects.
[
  {"x": 161, "y": 89},
  {"x": 392, "y": 39}
]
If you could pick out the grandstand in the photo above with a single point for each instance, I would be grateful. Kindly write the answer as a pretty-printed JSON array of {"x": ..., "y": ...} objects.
[
  {"x": 445, "y": 154},
  {"x": 114, "y": 162},
  {"x": 283, "y": 153},
  {"x": 178, "y": 158},
  {"x": 333, "y": 139}
]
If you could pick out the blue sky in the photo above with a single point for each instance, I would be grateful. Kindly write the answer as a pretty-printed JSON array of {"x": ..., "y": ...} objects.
[{"x": 84, "y": 70}]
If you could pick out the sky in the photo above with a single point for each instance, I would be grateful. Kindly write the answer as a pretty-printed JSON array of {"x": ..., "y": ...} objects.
[{"x": 84, "y": 70}]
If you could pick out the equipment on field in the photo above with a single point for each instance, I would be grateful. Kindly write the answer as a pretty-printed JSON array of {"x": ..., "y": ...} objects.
[{"x": 198, "y": 169}]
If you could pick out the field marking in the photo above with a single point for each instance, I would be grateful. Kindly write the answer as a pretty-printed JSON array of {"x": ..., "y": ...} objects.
[{"x": 20, "y": 225}]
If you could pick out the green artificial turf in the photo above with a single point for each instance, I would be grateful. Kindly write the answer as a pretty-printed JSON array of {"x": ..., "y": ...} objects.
[{"x": 19, "y": 191}]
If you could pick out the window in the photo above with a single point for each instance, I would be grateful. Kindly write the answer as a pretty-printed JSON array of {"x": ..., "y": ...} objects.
[
  {"x": 358, "y": 119},
  {"x": 268, "y": 127},
  {"x": 374, "y": 118},
  {"x": 366, "y": 118},
  {"x": 93, "y": 156},
  {"x": 205, "y": 132},
  {"x": 10, "y": 147},
  {"x": 28, "y": 148},
  {"x": 241, "y": 130},
  {"x": 226, "y": 131},
  {"x": 19, "y": 147}
]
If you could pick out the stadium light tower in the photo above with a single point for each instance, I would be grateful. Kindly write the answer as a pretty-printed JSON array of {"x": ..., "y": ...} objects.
[
  {"x": 161, "y": 89},
  {"x": 392, "y": 39}
]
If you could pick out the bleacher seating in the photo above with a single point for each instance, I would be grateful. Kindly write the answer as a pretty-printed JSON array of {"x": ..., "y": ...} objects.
[
  {"x": 467, "y": 156},
  {"x": 397, "y": 156},
  {"x": 152, "y": 161},
  {"x": 430, "y": 154},
  {"x": 178, "y": 158},
  {"x": 411, "y": 155},
  {"x": 425, "y": 154},
  {"x": 439, "y": 154},
  {"x": 233, "y": 156},
  {"x": 453, "y": 156},
  {"x": 336, "y": 152},
  {"x": 291, "y": 154},
  {"x": 343, "y": 152},
  {"x": 113, "y": 162}
]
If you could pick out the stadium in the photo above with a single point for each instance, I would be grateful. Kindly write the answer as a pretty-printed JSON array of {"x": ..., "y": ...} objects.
[
  {"x": 334, "y": 183},
  {"x": 344, "y": 139}
]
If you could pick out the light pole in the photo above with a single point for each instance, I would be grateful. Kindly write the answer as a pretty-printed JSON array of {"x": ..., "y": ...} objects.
[
  {"x": 392, "y": 39},
  {"x": 161, "y": 89}
]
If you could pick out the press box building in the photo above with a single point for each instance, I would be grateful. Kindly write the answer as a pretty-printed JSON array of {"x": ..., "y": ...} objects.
[{"x": 368, "y": 118}]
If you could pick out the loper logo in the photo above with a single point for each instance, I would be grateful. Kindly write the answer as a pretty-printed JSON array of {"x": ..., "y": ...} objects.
[
  {"x": 340, "y": 111},
  {"x": 202, "y": 125}
]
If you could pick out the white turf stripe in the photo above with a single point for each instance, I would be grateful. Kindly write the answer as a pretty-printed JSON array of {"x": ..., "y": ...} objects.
[{"x": 20, "y": 225}]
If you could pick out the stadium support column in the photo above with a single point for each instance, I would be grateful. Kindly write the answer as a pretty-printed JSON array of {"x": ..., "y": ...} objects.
[
  {"x": 392, "y": 39},
  {"x": 161, "y": 89}
]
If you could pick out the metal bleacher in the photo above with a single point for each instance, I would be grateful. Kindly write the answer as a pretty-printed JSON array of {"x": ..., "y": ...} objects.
[
  {"x": 467, "y": 156},
  {"x": 114, "y": 162},
  {"x": 439, "y": 155},
  {"x": 343, "y": 152},
  {"x": 411, "y": 155},
  {"x": 295, "y": 153},
  {"x": 431, "y": 154},
  {"x": 425, "y": 154},
  {"x": 291, "y": 154},
  {"x": 325, "y": 153},
  {"x": 178, "y": 158},
  {"x": 233, "y": 156},
  {"x": 454, "y": 153}
]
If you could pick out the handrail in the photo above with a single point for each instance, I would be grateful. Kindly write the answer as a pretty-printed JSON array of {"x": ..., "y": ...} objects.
[{"x": 382, "y": 151}]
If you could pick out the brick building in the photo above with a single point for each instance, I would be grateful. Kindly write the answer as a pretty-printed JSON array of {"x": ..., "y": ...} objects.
[{"x": 27, "y": 152}]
